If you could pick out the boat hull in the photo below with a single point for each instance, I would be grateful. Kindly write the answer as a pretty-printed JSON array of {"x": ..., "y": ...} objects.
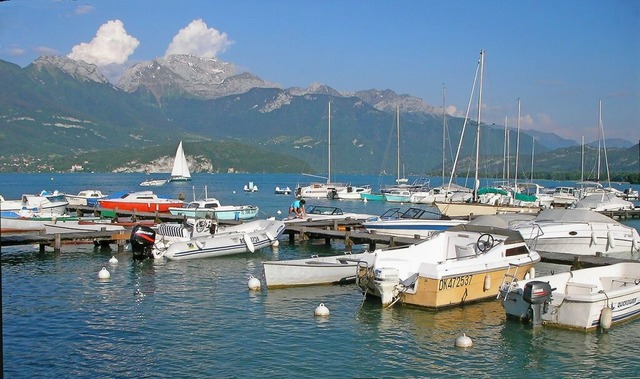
[
  {"x": 151, "y": 207},
  {"x": 340, "y": 269},
  {"x": 465, "y": 209},
  {"x": 237, "y": 213},
  {"x": 410, "y": 228}
]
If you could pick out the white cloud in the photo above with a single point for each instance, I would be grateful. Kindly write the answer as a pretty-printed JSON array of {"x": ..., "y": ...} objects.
[
  {"x": 44, "y": 50},
  {"x": 84, "y": 9},
  {"x": 16, "y": 51},
  {"x": 200, "y": 40},
  {"x": 111, "y": 45}
]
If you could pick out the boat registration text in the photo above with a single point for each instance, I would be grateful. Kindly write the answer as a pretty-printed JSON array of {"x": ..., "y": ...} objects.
[{"x": 454, "y": 282}]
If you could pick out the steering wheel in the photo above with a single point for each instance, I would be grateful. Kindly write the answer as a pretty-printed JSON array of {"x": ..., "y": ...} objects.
[
  {"x": 485, "y": 242},
  {"x": 201, "y": 225}
]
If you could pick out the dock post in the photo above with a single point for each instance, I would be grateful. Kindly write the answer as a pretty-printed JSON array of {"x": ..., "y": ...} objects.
[
  {"x": 392, "y": 241},
  {"x": 120, "y": 242},
  {"x": 335, "y": 224},
  {"x": 57, "y": 242},
  {"x": 327, "y": 240},
  {"x": 347, "y": 241},
  {"x": 303, "y": 234},
  {"x": 41, "y": 249},
  {"x": 372, "y": 245}
]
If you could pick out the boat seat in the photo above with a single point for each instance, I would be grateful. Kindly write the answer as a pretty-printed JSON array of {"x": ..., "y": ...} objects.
[
  {"x": 465, "y": 251},
  {"x": 573, "y": 288},
  {"x": 614, "y": 282},
  {"x": 173, "y": 231}
]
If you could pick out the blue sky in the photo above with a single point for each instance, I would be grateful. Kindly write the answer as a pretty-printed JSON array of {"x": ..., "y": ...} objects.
[{"x": 558, "y": 57}]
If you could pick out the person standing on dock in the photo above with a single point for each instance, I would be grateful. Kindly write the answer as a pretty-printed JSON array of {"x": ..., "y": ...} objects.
[{"x": 297, "y": 208}]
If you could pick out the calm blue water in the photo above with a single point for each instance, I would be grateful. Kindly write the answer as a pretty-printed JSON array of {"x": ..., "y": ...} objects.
[{"x": 198, "y": 319}]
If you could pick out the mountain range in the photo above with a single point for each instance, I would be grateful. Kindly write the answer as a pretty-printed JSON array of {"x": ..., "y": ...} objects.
[{"x": 57, "y": 113}]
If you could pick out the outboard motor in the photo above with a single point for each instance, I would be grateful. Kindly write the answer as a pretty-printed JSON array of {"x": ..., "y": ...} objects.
[
  {"x": 538, "y": 295},
  {"x": 142, "y": 241}
]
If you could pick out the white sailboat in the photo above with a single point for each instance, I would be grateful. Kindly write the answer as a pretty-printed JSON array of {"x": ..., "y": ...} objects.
[
  {"x": 322, "y": 190},
  {"x": 180, "y": 171}
]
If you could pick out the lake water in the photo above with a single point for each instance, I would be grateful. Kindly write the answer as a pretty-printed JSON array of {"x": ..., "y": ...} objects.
[{"x": 198, "y": 319}]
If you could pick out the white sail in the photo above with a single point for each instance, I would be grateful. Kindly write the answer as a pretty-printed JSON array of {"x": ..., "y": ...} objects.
[{"x": 180, "y": 170}]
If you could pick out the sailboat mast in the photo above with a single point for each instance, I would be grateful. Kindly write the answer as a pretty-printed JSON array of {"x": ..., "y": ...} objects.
[
  {"x": 533, "y": 147},
  {"x": 444, "y": 127},
  {"x": 515, "y": 180},
  {"x": 582, "y": 160},
  {"x": 599, "y": 140},
  {"x": 329, "y": 154},
  {"x": 477, "y": 182},
  {"x": 504, "y": 151},
  {"x": 604, "y": 142},
  {"x": 398, "y": 141}
]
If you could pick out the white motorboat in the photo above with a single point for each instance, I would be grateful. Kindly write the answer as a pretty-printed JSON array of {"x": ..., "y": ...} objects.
[
  {"x": 44, "y": 204},
  {"x": 153, "y": 183},
  {"x": 463, "y": 264},
  {"x": 580, "y": 299},
  {"x": 250, "y": 187},
  {"x": 243, "y": 238},
  {"x": 578, "y": 231},
  {"x": 282, "y": 191},
  {"x": 349, "y": 192},
  {"x": 85, "y": 198},
  {"x": 325, "y": 213},
  {"x": 410, "y": 223},
  {"x": 453, "y": 193},
  {"x": 564, "y": 196},
  {"x": 211, "y": 208},
  {"x": 338, "y": 269},
  {"x": 604, "y": 201},
  {"x": 28, "y": 221}
]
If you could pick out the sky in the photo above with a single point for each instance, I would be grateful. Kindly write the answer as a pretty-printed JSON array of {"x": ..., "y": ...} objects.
[{"x": 558, "y": 59}]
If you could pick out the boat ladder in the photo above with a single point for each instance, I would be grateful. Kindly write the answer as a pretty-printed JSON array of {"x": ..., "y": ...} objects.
[{"x": 508, "y": 280}]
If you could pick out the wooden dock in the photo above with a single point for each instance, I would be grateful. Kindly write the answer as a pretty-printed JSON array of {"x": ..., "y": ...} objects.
[{"x": 350, "y": 231}]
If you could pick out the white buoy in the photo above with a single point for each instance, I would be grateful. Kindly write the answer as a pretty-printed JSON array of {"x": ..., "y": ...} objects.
[
  {"x": 275, "y": 243},
  {"x": 279, "y": 212},
  {"x": 606, "y": 316},
  {"x": 113, "y": 260},
  {"x": 234, "y": 191},
  {"x": 104, "y": 274},
  {"x": 253, "y": 283},
  {"x": 487, "y": 283},
  {"x": 249, "y": 243},
  {"x": 610, "y": 240},
  {"x": 365, "y": 201},
  {"x": 322, "y": 311},
  {"x": 464, "y": 341}
]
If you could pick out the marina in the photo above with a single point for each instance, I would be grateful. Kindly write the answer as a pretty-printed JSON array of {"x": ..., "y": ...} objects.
[{"x": 55, "y": 303}]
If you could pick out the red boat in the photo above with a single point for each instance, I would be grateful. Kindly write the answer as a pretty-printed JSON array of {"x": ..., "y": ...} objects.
[{"x": 142, "y": 201}]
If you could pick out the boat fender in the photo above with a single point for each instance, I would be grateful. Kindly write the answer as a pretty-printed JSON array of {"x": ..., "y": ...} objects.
[
  {"x": 611, "y": 242},
  {"x": 594, "y": 239},
  {"x": 253, "y": 283},
  {"x": 322, "y": 310},
  {"x": 247, "y": 241},
  {"x": 487, "y": 283},
  {"x": 532, "y": 273},
  {"x": 199, "y": 244},
  {"x": 606, "y": 316}
]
